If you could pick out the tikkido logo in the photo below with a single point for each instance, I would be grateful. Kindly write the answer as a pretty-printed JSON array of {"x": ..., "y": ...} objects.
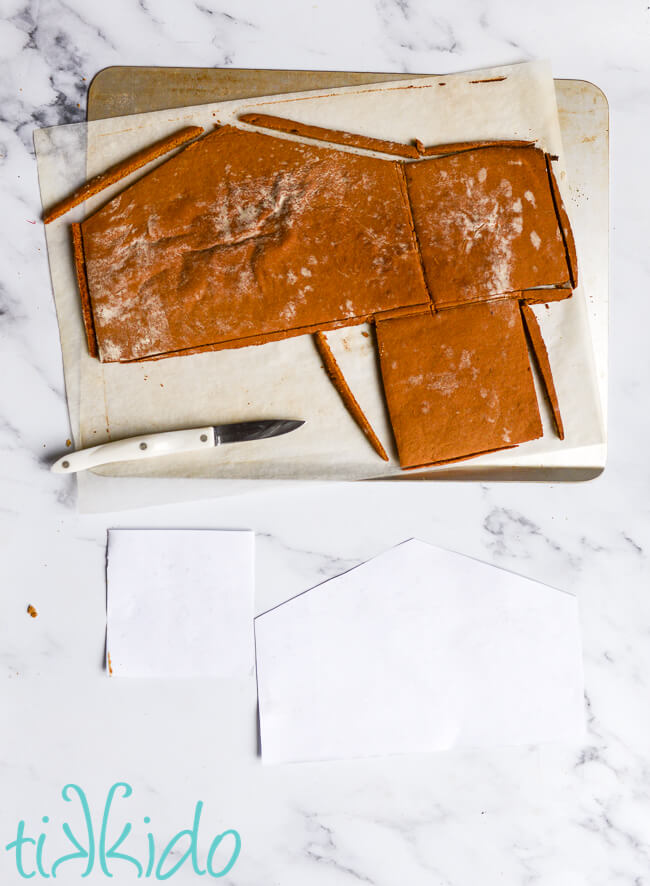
[{"x": 92, "y": 847}]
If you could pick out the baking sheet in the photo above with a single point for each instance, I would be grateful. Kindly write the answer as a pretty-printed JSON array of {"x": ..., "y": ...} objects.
[
  {"x": 127, "y": 89},
  {"x": 114, "y": 399}
]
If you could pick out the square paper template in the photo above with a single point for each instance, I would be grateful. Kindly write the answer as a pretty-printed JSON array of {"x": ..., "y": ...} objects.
[
  {"x": 418, "y": 650},
  {"x": 180, "y": 603}
]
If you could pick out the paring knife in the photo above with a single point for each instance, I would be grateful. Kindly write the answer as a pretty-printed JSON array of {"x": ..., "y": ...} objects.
[{"x": 168, "y": 442}]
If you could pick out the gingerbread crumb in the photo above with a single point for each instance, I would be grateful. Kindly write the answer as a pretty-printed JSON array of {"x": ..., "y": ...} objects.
[
  {"x": 110, "y": 666},
  {"x": 32, "y": 611}
]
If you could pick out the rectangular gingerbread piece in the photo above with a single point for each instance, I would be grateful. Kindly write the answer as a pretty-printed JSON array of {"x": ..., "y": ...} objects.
[
  {"x": 458, "y": 383},
  {"x": 487, "y": 224},
  {"x": 243, "y": 237}
]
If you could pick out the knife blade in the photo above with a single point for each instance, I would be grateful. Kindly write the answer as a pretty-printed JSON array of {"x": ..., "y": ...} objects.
[{"x": 168, "y": 442}]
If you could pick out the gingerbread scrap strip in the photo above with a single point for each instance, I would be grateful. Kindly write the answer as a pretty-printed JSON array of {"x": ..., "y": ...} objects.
[
  {"x": 395, "y": 149},
  {"x": 351, "y": 404},
  {"x": 334, "y": 136},
  {"x": 543, "y": 363},
  {"x": 565, "y": 225},
  {"x": 460, "y": 147},
  {"x": 409, "y": 212},
  {"x": 121, "y": 170},
  {"x": 82, "y": 282}
]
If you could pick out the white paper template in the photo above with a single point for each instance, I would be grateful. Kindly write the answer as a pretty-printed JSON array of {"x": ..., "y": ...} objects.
[
  {"x": 180, "y": 603},
  {"x": 418, "y": 650}
]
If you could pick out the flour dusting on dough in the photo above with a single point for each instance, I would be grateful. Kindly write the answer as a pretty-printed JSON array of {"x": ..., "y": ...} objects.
[
  {"x": 488, "y": 218},
  {"x": 444, "y": 382},
  {"x": 465, "y": 360}
]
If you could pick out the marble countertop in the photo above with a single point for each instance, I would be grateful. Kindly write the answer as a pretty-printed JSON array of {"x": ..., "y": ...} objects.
[{"x": 544, "y": 815}]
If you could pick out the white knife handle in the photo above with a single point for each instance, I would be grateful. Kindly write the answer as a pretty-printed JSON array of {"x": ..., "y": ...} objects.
[{"x": 135, "y": 449}]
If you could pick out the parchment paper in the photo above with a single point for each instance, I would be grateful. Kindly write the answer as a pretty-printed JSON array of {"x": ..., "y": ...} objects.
[{"x": 286, "y": 379}]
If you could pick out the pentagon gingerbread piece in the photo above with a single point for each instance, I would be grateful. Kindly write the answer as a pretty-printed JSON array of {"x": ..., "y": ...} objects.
[
  {"x": 244, "y": 237},
  {"x": 458, "y": 383},
  {"x": 488, "y": 224}
]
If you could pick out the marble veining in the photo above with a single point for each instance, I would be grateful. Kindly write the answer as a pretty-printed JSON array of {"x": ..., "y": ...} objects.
[{"x": 551, "y": 815}]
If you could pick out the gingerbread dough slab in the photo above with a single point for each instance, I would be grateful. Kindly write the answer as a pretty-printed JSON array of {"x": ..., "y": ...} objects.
[
  {"x": 486, "y": 224},
  {"x": 458, "y": 382},
  {"x": 245, "y": 234}
]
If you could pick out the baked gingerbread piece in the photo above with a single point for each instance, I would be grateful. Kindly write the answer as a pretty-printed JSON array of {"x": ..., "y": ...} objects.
[
  {"x": 458, "y": 383},
  {"x": 243, "y": 237},
  {"x": 488, "y": 223}
]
